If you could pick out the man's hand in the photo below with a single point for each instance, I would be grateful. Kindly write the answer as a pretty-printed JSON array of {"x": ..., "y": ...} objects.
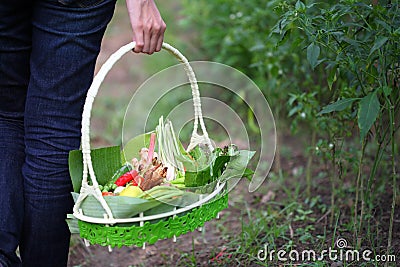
[{"x": 147, "y": 25}]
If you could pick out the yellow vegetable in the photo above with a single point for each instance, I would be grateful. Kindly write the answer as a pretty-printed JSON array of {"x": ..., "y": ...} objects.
[{"x": 131, "y": 191}]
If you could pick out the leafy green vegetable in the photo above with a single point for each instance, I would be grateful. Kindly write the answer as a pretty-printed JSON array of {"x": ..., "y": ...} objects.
[
  {"x": 236, "y": 167},
  {"x": 222, "y": 163},
  {"x": 198, "y": 178},
  {"x": 194, "y": 161},
  {"x": 248, "y": 174},
  {"x": 219, "y": 165}
]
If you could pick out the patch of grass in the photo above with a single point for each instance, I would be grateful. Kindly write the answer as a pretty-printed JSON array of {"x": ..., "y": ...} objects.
[{"x": 289, "y": 221}]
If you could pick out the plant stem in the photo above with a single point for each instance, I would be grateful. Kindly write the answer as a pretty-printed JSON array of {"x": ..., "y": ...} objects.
[
  {"x": 309, "y": 165},
  {"x": 277, "y": 160},
  {"x": 359, "y": 186},
  {"x": 394, "y": 175},
  {"x": 377, "y": 159},
  {"x": 333, "y": 185}
]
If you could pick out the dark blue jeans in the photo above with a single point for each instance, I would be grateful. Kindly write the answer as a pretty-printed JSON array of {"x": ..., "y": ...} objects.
[{"x": 48, "y": 50}]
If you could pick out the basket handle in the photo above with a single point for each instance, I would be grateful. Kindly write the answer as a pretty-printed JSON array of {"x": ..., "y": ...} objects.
[{"x": 91, "y": 94}]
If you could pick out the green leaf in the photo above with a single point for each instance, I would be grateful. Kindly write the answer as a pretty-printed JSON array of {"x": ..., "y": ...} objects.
[
  {"x": 352, "y": 42},
  {"x": 379, "y": 42},
  {"x": 132, "y": 148},
  {"x": 105, "y": 162},
  {"x": 293, "y": 97},
  {"x": 384, "y": 25},
  {"x": 257, "y": 47},
  {"x": 332, "y": 78},
  {"x": 220, "y": 162},
  {"x": 200, "y": 178},
  {"x": 295, "y": 110},
  {"x": 369, "y": 108},
  {"x": 200, "y": 157},
  {"x": 237, "y": 166},
  {"x": 300, "y": 6},
  {"x": 338, "y": 105},
  {"x": 387, "y": 90},
  {"x": 253, "y": 125},
  {"x": 248, "y": 174},
  {"x": 157, "y": 200},
  {"x": 219, "y": 165},
  {"x": 196, "y": 162},
  {"x": 184, "y": 199},
  {"x": 198, "y": 170},
  {"x": 75, "y": 161},
  {"x": 313, "y": 52},
  {"x": 121, "y": 207},
  {"x": 72, "y": 224}
]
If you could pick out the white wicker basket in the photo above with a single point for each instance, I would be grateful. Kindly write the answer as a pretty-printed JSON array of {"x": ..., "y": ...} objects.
[{"x": 93, "y": 226}]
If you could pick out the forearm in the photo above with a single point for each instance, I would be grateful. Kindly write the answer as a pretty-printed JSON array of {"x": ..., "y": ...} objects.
[{"x": 147, "y": 25}]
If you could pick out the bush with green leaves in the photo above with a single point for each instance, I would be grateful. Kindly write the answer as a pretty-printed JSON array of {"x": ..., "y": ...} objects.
[
  {"x": 330, "y": 69},
  {"x": 358, "y": 44}
]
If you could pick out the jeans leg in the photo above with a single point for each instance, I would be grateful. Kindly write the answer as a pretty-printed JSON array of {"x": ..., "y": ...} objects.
[
  {"x": 11, "y": 196},
  {"x": 15, "y": 47},
  {"x": 65, "y": 43}
]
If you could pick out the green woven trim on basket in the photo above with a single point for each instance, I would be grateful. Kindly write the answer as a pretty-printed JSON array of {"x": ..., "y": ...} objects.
[{"x": 151, "y": 232}]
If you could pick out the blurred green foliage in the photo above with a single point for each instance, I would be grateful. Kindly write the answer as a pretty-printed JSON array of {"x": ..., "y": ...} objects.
[
  {"x": 237, "y": 33},
  {"x": 316, "y": 53}
]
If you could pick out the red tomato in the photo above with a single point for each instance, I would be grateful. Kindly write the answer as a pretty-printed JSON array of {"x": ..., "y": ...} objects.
[{"x": 107, "y": 194}]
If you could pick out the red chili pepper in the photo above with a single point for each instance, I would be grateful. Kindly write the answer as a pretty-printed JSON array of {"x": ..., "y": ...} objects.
[{"x": 126, "y": 178}]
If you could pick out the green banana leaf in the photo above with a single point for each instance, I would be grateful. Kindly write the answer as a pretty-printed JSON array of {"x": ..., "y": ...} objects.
[
  {"x": 72, "y": 224},
  {"x": 204, "y": 189},
  {"x": 186, "y": 199},
  {"x": 159, "y": 201},
  {"x": 121, "y": 207},
  {"x": 133, "y": 146},
  {"x": 105, "y": 162}
]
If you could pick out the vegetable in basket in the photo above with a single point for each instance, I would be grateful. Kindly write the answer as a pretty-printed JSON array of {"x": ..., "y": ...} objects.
[
  {"x": 198, "y": 170},
  {"x": 146, "y": 173},
  {"x": 131, "y": 191},
  {"x": 126, "y": 178}
]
